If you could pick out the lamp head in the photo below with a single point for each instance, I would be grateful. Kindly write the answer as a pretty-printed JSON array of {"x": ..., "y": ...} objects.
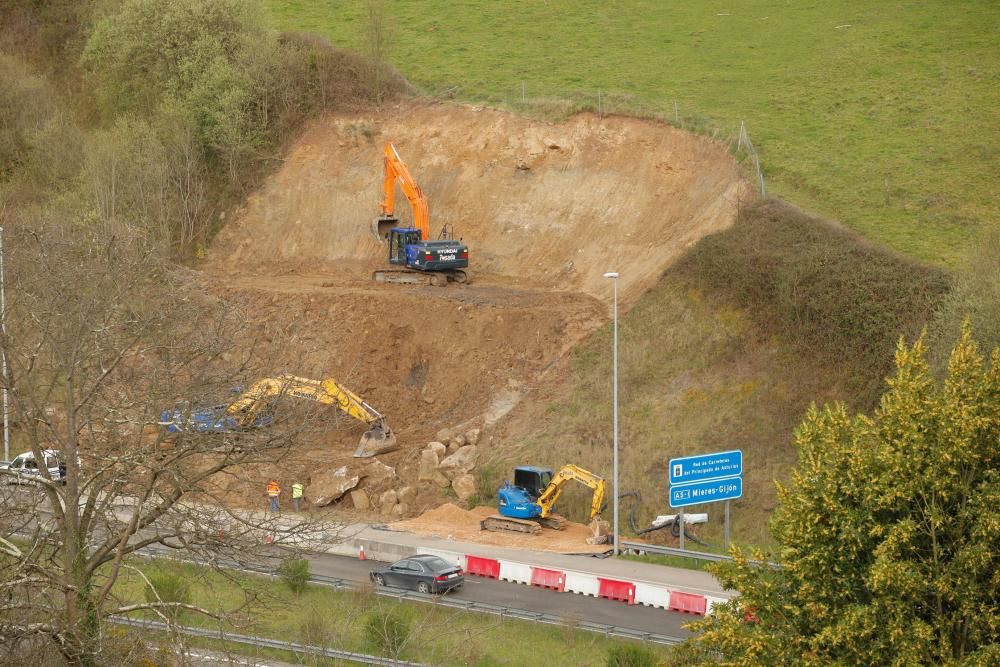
[{"x": 611, "y": 274}]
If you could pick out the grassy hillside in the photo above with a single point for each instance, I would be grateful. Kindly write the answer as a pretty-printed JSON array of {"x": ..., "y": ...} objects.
[
  {"x": 881, "y": 115},
  {"x": 727, "y": 352}
]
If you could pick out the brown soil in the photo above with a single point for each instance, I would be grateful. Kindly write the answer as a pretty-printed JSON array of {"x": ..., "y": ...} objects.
[
  {"x": 463, "y": 525},
  {"x": 597, "y": 194}
]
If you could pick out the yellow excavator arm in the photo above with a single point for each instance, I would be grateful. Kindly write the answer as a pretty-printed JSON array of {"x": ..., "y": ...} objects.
[
  {"x": 550, "y": 495},
  {"x": 328, "y": 392}
]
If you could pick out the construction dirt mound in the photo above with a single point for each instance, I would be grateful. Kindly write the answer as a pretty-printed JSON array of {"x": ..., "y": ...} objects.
[
  {"x": 454, "y": 523},
  {"x": 545, "y": 209}
]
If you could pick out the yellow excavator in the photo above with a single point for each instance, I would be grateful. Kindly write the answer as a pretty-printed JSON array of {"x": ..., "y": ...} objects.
[
  {"x": 526, "y": 505},
  {"x": 251, "y": 410}
]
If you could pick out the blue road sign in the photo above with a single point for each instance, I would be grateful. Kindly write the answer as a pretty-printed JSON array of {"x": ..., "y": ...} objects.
[
  {"x": 706, "y": 492},
  {"x": 706, "y": 467}
]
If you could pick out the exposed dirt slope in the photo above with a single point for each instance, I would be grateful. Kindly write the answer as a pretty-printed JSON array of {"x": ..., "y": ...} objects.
[
  {"x": 591, "y": 195},
  {"x": 545, "y": 209}
]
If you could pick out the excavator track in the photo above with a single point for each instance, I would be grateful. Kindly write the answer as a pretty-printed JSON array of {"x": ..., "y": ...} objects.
[
  {"x": 408, "y": 277},
  {"x": 505, "y": 524},
  {"x": 553, "y": 521}
]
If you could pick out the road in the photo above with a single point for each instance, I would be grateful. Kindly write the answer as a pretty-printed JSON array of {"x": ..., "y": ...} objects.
[{"x": 570, "y": 605}]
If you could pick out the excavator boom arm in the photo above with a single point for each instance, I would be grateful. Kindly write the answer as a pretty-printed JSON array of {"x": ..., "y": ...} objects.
[
  {"x": 327, "y": 392},
  {"x": 395, "y": 169},
  {"x": 550, "y": 495}
]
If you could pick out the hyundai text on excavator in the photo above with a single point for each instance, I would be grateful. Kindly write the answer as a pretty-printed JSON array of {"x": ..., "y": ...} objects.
[
  {"x": 253, "y": 409},
  {"x": 526, "y": 505},
  {"x": 420, "y": 260}
]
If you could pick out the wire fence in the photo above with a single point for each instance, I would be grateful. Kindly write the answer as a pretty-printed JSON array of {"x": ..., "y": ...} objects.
[{"x": 555, "y": 103}]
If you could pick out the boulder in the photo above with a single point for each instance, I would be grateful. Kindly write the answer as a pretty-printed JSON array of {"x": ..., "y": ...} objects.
[
  {"x": 465, "y": 486},
  {"x": 377, "y": 472},
  {"x": 407, "y": 495},
  {"x": 453, "y": 446},
  {"x": 400, "y": 510},
  {"x": 428, "y": 465},
  {"x": 472, "y": 436},
  {"x": 326, "y": 487},
  {"x": 459, "y": 463},
  {"x": 441, "y": 480},
  {"x": 387, "y": 500},
  {"x": 436, "y": 447},
  {"x": 360, "y": 500}
]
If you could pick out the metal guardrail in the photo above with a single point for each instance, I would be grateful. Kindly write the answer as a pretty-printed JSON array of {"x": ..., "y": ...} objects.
[
  {"x": 685, "y": 553},
  {"x": 672, "y": 551},
  {"x": 263, "y": 642}
]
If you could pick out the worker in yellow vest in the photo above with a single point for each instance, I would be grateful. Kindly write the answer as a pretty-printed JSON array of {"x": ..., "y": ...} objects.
[
  {"x": 273, "y": 491},
  {"x": 297, "y": 490}
]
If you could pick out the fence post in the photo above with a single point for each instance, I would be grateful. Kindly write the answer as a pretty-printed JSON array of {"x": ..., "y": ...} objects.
[{"x": 744, "y": 142}]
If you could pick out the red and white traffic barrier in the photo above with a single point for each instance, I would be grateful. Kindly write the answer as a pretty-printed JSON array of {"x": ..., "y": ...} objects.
[
  {"x": 545, "y": 578},
  {"x": 482, "y": 567},
  {"x": 582, "y": 583},
  {"x": 613, "y": 589}
]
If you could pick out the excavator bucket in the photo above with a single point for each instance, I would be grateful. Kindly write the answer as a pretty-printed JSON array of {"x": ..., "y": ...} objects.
[
  {"x": 379, "y": 439},
  {"x": 381, "y": 226},
  {"x": 599, "y": 530}
]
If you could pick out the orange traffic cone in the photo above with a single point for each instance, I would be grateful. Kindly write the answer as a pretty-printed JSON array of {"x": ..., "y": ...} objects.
[{"x": 361, "y": 553}]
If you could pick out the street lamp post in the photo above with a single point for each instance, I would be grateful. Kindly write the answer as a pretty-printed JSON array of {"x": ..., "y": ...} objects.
[
  {"x": 614, "y": 490},
  {"x": 3, "y": 354}
]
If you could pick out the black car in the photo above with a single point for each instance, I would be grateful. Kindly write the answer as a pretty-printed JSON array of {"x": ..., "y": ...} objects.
[{"x": 427, "y": 574}]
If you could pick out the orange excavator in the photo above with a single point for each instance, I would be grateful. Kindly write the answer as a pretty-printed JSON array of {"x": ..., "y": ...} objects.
[{"x": 419, "y": 259}]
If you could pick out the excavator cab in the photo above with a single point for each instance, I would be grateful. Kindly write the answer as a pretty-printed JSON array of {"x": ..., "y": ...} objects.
[
  {"x": 399, "y": 239},
  {"x": 532, "y": 479}
]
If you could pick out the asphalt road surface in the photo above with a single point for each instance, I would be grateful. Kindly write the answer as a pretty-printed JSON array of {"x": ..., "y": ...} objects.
[{"x": 520, "y": 596}]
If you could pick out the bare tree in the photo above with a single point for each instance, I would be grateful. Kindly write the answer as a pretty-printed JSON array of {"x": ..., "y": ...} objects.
[
  {"x": 102, "y": 335},
  {"x": 377, "y": 26}
]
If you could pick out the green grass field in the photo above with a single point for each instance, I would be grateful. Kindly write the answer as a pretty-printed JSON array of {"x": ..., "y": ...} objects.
[{"x": 882, "y": 115}]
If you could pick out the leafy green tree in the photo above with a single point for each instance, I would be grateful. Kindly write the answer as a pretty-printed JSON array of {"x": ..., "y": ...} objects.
[
  {"x": 210, "y": 57},
  {"x": 889, "y": 531}
]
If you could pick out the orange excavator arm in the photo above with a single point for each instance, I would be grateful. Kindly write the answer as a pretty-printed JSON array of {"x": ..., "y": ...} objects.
[{"x": 395, "y": 169}]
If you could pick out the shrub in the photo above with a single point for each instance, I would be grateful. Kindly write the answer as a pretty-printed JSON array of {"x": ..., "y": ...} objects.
[
  {"x": 631, "y": 656},
  {"x": 170, "y": 586},
  {"x": 820, "y": 286},
  {"x": 295, "y": 573},
  {"x": 387, "y": 631}
]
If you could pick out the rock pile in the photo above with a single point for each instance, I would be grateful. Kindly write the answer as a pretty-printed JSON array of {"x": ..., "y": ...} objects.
[
  {"x": 451, "y": 464},
  {"x": 326, "y": 487}
]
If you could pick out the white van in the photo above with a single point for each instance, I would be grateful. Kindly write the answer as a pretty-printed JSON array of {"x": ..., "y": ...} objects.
[{"x": 25, "y": 467}]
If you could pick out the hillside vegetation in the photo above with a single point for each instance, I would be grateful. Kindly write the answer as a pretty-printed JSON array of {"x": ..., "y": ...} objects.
[
  {"x": 728, "y": 351},
  {"x": 881, "y": 115}
]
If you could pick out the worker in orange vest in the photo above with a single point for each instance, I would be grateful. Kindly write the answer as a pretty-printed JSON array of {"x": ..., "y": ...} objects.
[{"x": 273, "y": 491}]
